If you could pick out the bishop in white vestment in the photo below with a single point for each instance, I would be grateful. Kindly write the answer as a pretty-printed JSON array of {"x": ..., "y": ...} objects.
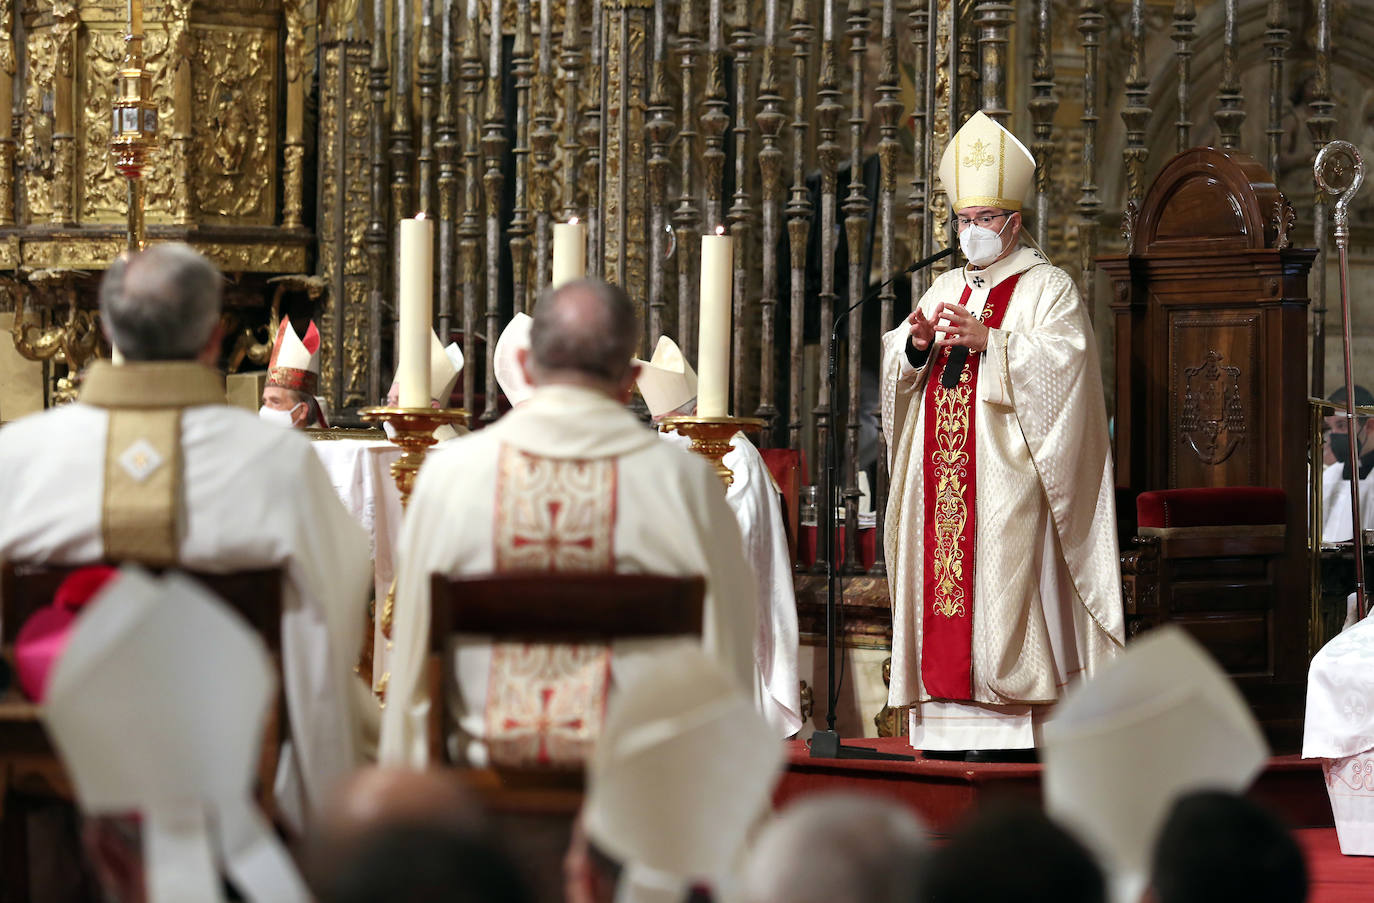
[
  {"x": 240, "y": 494},
  {"x": 669, "y": 385},
  {"x": 1001, "y": 527},
  {"x": 569, "y": 480}
]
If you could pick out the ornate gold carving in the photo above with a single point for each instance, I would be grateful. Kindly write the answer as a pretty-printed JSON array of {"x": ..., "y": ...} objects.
[
  {"x": 1282, "y": 221},
  {"x": 233, "y": 163},
  {"x": 73, "y": 341},
  {"x": 950, "y": 463}
]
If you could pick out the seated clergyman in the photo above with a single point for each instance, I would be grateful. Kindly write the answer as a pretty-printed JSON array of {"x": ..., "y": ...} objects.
[
  {"x": 293, "y": 378},
  {"x": 166, "y": 474},
  {"x": 569, "y": 480}
]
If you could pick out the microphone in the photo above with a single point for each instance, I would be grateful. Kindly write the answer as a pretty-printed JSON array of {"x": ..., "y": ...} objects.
[
  {"x": 874, "y": 292},
  {"x": 954, "y": 367}
]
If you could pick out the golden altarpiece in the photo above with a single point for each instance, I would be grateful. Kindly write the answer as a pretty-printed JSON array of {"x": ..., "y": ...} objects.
[{"x": 293, "y": 135}]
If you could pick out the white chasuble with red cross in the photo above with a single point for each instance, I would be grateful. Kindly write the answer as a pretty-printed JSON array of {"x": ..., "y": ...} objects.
[{"x": 545, "y": 702}]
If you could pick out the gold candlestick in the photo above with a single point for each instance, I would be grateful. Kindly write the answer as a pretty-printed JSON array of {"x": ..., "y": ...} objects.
[
  {"x": 414, "y": 435},
  {"x": 711, "y": 436}
]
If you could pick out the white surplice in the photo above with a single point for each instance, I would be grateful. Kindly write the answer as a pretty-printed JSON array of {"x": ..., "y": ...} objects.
[
  {"x": 255, "y": 496},
  {"x": 1337, "y": 521},
  {"x": 753, "y": 496},
  {"x": 1339, "y": 730},
  {"x": 1047, "y": 586},
  {"x": 667, "y": 516}
]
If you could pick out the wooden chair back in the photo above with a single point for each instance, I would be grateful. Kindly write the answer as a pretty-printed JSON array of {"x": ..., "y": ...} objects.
[
  {"x": 785, "y": 464},
  {"x": 543, "y": 608}
]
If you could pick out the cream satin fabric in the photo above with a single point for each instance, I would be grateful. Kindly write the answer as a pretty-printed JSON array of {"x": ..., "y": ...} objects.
[
  {"x": 670, "y": 518},
  {"x": 1047, "y": 586}
]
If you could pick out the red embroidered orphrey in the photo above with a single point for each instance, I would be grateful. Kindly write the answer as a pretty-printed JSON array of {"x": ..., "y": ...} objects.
[
  {"x": 545, "y": 703},
  {"x": 950, "y": 474}
]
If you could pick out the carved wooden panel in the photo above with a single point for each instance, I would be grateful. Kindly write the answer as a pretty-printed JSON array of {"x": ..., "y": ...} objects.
[{"x": 1214, "y": 399}]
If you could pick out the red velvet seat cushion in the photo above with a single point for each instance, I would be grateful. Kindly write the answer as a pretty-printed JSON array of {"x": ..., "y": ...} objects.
[{"x": 1224, "y": 506}]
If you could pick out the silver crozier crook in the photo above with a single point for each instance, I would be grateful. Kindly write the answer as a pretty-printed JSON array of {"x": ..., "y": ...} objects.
[{"x": 1337, "y": 161}]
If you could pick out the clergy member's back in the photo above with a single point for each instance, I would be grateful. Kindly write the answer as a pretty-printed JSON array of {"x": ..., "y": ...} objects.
[{"x": 568, "y": 481}]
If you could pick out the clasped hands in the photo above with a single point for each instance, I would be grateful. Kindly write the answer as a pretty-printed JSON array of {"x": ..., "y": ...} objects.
[{"x": 963, "y": 328}]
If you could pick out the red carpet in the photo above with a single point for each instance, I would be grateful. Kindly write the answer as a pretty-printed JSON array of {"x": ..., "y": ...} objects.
[{"x": 1335, "y": 878}]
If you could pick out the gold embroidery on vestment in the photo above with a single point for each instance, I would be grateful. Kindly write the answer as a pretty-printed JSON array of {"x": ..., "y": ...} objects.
[{"x": 950, "y": 463}]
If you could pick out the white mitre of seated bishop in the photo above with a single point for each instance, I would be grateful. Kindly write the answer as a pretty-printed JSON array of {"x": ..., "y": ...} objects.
[
  {"x": 984, "y": 165},
  {"x": 445, "y": 366},
  {"x": 1161, "y": 721},
  {"x": 157, "y": 707},
  {"x": 510, "y": 376},
  {"x": 683, "y": 769},
  {"x": 666, "y": 380}
]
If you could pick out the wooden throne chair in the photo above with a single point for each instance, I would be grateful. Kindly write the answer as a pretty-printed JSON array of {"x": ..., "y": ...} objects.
[{"x": 1210, "y": 312}]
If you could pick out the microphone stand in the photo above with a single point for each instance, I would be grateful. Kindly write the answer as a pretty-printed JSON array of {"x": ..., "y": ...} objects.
[{"x": 826, "y": 744}]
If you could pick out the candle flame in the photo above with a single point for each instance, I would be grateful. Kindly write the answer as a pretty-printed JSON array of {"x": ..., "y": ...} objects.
[
  {"x": 420, "y": 215},
  {"x": 720, "y": 230},
  {"x": 573, "y": 221}
]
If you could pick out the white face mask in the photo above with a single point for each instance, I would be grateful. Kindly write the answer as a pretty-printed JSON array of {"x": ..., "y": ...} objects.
[
  {"x": 278, "y": 416},
  {"x": 982, "y": 246}
]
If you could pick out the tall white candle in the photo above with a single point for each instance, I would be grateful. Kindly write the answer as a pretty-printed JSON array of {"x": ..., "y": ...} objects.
[
  {"x": 569, "y": 252},
  {"x": 417, "y": 306},
  {"x": 713, "y": 337}
]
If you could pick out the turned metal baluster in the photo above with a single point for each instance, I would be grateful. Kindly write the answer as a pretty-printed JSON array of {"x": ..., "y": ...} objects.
[
  {"x": 542, "y": 141},
  {"x": 1185, "y": 12},
  {"x": 770, "y": 119},
  {"x": 828, "y": 152},
  {"x": 472, "y": 74},
  {"x": 966, "y": 74},
  {"x": 941, "y": 86},
  {"x": 377, "y": 238},
  {"x": 427, "y": 78},
  {"x": 402, "y": 146},
  {"x": 446, "y": 149},
  {"x": 1090, "y": 25},
  {"x": 994, "y": 21},
  {"x": 592, "y": 177},
  {"x": 1136, "y": 114},
  {"x": 741, "y": 214},
  {"x": 799, "y": 210},
  {"x": 1319, "y": 125},
  {"x": 571, "y": 146},
  {"x": 857, "y": 211},
  {"x": 522, "y": 67},
  {"x": 889, "y": 110},
  {"x": 659, "y": 128},
  {"x": 493, "y": 147},
  {"x": 1276, "y": 40},
  {"x": 1230, "y": 112},
  {"x": 687, "y": 215},
  {"x": 714, "y": 119},
  {"x": 920, "y": 130},
  {"x": 1042, "y": 108}
]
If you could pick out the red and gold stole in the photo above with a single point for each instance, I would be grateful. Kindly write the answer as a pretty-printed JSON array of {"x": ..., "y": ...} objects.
[
  {"x": 545, "y": 702},
  {"x": 950, "y": 474}
]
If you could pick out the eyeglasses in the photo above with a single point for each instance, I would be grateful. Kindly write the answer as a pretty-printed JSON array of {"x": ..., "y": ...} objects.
[{"x": 983, "y": 219}]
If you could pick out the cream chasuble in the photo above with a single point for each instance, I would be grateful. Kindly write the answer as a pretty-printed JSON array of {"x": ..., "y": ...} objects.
[
  {"x": 1046, "y": 576},
  {"x": 569, "y": 480},
  {"x": 249, "y": 494},
  {"x": 753, "y": 496}
]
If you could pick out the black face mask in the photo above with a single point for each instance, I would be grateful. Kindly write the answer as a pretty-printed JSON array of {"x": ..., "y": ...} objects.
[{"x": 1340, "y": 447}]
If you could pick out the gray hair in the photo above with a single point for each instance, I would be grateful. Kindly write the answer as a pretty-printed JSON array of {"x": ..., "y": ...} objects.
[
  {"x": 837, "y": 848},
  {"x": 587, "y": 327},
  {"x": 161, "y": 304}
]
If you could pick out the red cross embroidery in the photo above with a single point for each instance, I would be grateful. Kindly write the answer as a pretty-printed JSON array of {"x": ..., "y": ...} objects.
[
  {"x": 544, "y": 724},
  {"x": 551, "y": 543}
]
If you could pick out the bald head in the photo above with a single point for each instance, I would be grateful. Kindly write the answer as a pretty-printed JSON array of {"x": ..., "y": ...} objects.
[
  {"x": 584, "y": 332},
  {"x": 161, "y": 304}
]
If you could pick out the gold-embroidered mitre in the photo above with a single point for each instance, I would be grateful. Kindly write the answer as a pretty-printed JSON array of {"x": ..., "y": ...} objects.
[{"x": 985, "y": 166}]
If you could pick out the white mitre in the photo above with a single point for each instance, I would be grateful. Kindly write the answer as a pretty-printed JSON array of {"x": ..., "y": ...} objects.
[
  {"x": 684, "y": 767},
  {"x": 510, "y": 377},
  {"x": 985, "y": 166},
  {"x": 445, "y": 366},
  {"x": 157, "y": 706},
  {"x": 666, "y": 380},
  {"x": 1159, "y": 722}
]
